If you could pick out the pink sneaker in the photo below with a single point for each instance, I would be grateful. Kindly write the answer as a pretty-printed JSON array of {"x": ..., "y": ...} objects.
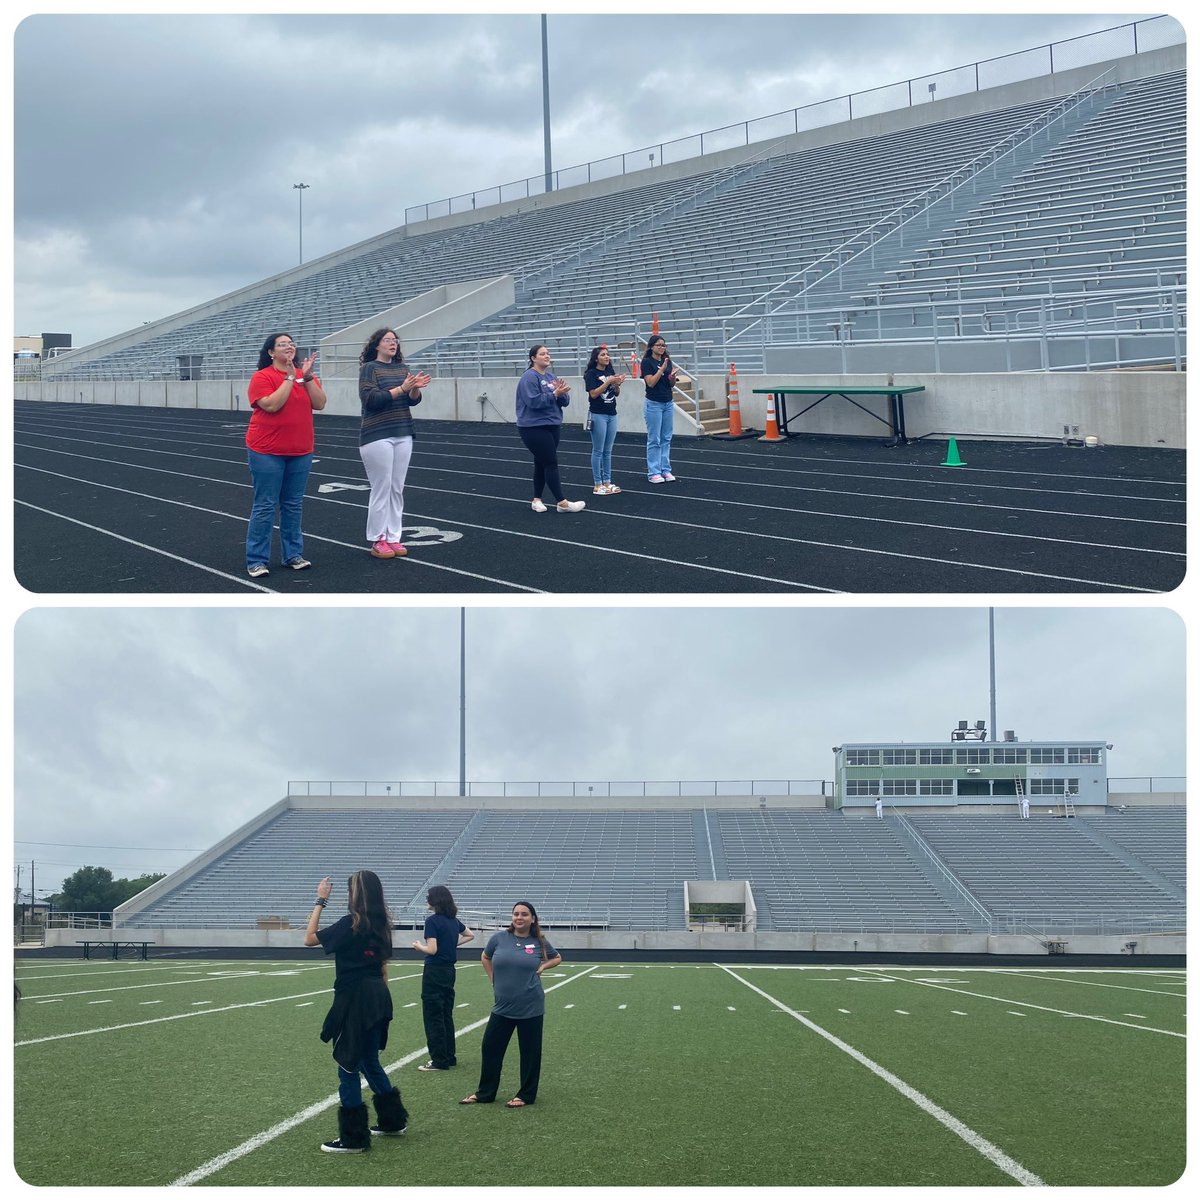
[
  {"x": 397, "y": 548},
  {"x": 657, "y": 479},
  {"x": 382, "y": 550},
  {"x": 668, "y": 477}
]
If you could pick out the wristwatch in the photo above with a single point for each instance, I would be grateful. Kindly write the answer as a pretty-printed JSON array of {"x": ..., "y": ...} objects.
[{"x": 291, "y": 379}]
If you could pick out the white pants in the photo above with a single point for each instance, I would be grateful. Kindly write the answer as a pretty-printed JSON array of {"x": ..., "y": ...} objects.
[{"x": 386, "y": 462}]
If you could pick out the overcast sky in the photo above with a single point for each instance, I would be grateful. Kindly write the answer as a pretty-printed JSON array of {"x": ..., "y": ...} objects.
[
  {"x": 143, "y": 736},
  {"x": 155, "y": 156}
]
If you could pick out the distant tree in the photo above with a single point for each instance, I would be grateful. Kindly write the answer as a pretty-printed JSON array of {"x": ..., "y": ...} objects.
[
  {"x": 94, "y": 890},
  {"x": 90, "y": 889}
]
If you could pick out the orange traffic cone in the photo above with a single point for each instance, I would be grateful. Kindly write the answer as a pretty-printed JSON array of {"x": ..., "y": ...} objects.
[
  {"x": 735, "y": 407},
  {"x": 772, "y": 434},
  {"x": 634, "y": 365},
  {"x": 654, "y": 322}
]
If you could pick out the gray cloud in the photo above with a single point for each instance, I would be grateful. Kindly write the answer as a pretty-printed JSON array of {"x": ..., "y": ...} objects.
[
  {"x": 183, "y": 135},
  {"x": 173, "y": 727}
]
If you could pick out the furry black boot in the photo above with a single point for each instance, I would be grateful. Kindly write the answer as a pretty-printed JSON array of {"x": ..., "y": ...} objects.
[
  {"x": 393, "y": 1117},
  {"x": 353, "y": 1136}
]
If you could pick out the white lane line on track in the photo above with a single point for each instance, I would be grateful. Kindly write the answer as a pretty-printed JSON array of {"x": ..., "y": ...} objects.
[
  {"x": 419, "y": 562},
  {"x": 188, "y": 562},
  {"x": 1063, "y": 1012},
  {"x": 657, "y": 560},
  {"x": 261, "y": 1139},
  {"x": 976, "y": 1141},
  {"x": 838, "y": 546},
  {"x": 484, "y": 449},
  {"x": 724, "y": 503}
]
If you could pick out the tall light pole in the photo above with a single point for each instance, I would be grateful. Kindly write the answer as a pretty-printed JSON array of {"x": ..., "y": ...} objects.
[
  {"x": 546, "y": 100},
  {"x": 300, "y": 188},
  {"x": 462, "y": 702}
]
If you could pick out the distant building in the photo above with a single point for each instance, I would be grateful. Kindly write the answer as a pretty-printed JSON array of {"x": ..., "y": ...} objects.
[{"x": 970, "y": 772}]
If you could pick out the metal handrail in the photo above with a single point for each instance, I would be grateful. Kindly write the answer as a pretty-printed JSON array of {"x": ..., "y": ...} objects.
[
  {"x": 934, "y": 194},
  {"x": 641, "y": 789}
]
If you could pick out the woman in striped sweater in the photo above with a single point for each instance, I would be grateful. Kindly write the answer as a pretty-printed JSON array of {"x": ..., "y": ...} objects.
[{"x": 387, "y": 391}]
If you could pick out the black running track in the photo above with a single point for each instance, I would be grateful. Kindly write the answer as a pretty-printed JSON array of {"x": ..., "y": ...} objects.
[{"x": 115, "y": 499}]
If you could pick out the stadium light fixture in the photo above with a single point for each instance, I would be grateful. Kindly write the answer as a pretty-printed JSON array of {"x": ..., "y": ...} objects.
[{"x": 300, "y": 187}]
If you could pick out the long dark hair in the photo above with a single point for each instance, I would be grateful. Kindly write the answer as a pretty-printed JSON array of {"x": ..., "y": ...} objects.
[
  {"x": 440, "y": 900},
  {"x": 653, "y": 341},
  {"x": 368, "y": 912},
  {"x": 264, "y": 355},
  {"x": 594, "y": 361},
  {"x": 371, "y": 349}
]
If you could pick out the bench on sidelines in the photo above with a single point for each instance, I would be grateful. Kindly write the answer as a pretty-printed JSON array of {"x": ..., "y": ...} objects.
[
  {"x": 895, "y": 396},
  {"x": 116, "y": 945}
]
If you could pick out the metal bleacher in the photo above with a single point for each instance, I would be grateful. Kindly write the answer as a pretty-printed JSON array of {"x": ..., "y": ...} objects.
[
  {"x": 1067, "y": 213},
  {"x": 817, "y": 870},
  {"x": 1045, "y": 873},
  {"x": 624, "y": 869}
]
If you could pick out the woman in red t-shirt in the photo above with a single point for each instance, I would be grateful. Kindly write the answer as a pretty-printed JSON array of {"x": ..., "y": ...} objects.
[{"x": 279, "y": 449}]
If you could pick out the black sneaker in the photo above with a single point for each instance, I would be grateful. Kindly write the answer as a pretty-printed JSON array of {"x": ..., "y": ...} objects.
[
  {"x": 377, "y": 1131},
  {"x": 428, "y": 1066},
  {"x": 337, "y": 1146},
  {"x": 299, "y": 564}
]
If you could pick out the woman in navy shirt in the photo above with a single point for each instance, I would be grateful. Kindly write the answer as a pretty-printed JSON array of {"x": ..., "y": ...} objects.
[
  {"x": 660, "y": 377},
  {"x": 603, "y": 385},
  {"x": 444, "y": 933},
  {"x": 514, "y": 960},
  {"x": 357, "y": 1023}
]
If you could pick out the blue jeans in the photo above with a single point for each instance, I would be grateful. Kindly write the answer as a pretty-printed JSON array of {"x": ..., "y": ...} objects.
[
  {"x": 349, "y": 1084},
  {"x": 660, "y": 424},
  {"x": 604, "y": 433},
  {"x": 279, "y": 482}
]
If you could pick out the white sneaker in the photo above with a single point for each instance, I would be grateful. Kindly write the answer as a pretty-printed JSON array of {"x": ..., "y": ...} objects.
[
  {"x": 538, "y": 506},
  {"x": 571, "y": 506}
]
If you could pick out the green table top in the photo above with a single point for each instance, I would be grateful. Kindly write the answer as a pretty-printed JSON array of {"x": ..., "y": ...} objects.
[{"x": 832, "y": 389}]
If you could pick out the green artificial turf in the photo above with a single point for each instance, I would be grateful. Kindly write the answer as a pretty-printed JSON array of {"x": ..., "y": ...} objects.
[{"x": 652, "y": 1075}]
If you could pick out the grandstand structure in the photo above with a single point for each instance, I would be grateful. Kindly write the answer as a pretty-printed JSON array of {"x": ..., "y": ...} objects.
[
  {"x": 1036, "y": 226},
  {"x": 622, "y": 871}
]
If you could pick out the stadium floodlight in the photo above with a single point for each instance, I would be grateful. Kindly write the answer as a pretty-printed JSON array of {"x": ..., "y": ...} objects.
[{"x": 300, "y": 188}]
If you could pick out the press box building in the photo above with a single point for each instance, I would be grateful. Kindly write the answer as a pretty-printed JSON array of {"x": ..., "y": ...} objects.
[{"x": 970, "y": 771}]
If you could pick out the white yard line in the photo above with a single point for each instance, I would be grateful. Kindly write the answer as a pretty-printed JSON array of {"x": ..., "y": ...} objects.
[
  {"x": 1093, "y": 983},
  {"x": 268, "y": 1135},
  {"x": 1064, "y": 1012},
  {"x": 212, "y": 977},
  {"x": 976, "y": 1141}
]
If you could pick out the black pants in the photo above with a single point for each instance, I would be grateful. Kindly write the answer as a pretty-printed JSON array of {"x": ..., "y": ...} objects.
[
  {"x": 437, "y": 1007},
  {"x": 542, "y": 443},
  {"x": 496, "y": 1037}
]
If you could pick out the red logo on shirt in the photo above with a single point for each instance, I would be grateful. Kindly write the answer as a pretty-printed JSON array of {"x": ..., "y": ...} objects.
[{"x": 528, "y": 949}]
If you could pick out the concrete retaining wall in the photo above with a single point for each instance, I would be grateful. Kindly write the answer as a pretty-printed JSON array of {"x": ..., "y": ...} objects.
[
  {"x": 579, "y": 942},
  {"x": 1121, "y": 408}
]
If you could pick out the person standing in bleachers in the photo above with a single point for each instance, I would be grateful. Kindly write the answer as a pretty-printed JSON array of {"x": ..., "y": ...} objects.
[
  {"x": 603, "y": 385},
  {"x": 387, "y": 390},
  {"x": 541, "y": 398},
  {"x": 279, "y": 450},
  {"x": 659, "y": 376},
  {"x": 444, "y": 933},
  {"x": 514, "y": 960},
  {"x": 357, "y": 1023}
]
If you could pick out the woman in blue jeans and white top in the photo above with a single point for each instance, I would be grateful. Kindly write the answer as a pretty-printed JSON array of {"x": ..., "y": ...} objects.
[
  {"x": 514, "y": 960},
  {"x": 603, "y": 385},
  {"x": 659, "y": 376},
  {"x": 387, "y": 391}
]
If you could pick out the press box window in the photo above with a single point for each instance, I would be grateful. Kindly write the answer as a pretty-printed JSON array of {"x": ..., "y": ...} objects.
[{"x": 862, "y": 758}]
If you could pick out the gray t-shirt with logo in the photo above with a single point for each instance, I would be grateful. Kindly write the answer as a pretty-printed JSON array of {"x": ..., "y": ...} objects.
[{"x": 515, "y": 980}]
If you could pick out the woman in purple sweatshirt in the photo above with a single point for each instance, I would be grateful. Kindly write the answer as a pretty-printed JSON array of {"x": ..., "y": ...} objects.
[{"x": 541, "y": 397}]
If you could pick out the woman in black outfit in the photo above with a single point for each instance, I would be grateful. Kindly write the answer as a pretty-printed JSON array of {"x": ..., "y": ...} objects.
[
  {"x": 444, "y": 933},
  {"x": 357, "y": 1023}
]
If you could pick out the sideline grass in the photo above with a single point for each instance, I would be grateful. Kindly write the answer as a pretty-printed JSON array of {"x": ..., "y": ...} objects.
[{"x": 653, "y": 1075}]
